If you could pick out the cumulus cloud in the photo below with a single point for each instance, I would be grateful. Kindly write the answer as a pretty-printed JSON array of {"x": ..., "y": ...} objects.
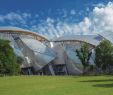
[
  {"x": 53, "y": 28},
  {"x": 99, "y": 20}
]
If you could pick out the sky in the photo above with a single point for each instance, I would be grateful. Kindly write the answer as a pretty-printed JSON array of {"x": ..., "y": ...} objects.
[{"x": 54, "y": 18}]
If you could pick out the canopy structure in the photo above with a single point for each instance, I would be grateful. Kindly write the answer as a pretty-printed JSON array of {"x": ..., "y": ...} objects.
[
  {"x": 93, "y": 40},
  {"x": 19, "y": 31}
]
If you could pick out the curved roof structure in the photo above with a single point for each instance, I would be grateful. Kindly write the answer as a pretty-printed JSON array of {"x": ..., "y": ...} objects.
[
  {"x": 15, "y": 30},
  {"x": 90, "y": 39}
]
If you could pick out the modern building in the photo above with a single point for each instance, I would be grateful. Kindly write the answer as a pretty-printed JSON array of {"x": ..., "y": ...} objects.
[
  {"x": 50, "y": 57},
  {"x": 32, "y": 48}
]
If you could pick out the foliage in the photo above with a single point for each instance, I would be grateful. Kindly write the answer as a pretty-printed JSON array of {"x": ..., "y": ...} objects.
[
  {"x": 20, "y": 60},
  {"x": 8, "y": 65},
  {"x": 104, "y": 55},
  {"x": 84, "y": 55}
]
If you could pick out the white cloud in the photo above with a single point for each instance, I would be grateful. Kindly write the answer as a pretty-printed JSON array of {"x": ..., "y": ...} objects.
[
  {"x": 72, "y": 12},
  {"x": 87, "y": 9},
  {"x": 27, "y": 15},
  {"x": 1, "y": 18},
  {"x": 15, "y": 18},
  {"x": 11, "y": 16},
  {"x": 51, "y": 28},
  {"x": 100, "y": 20}
]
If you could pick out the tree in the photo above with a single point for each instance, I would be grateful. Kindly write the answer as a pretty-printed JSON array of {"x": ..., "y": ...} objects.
[
  {"x": 104, "y": 55},
  {"x": 84, "y": 55},
  {"x": 20, "y": 60},
  {"x": 8, "y": 64}
]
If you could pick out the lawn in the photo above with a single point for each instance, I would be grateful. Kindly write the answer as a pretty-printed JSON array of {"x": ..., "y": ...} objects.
[{"x": 56, "y": 85}]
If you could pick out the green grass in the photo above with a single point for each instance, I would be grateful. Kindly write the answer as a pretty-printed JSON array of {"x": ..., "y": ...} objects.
[{"x": 56, "y": 85}]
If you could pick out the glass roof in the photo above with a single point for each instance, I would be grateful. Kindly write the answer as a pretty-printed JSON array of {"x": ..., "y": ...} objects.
[{"x": 91, "y": 39}]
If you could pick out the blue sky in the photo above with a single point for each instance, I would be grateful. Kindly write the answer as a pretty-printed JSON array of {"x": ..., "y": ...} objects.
[
  {"x": 48, "y": 7},
  {"x": 47, "y": 17}
]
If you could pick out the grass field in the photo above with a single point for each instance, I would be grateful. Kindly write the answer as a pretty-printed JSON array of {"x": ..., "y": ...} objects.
[{"x": 56, "y": 85}]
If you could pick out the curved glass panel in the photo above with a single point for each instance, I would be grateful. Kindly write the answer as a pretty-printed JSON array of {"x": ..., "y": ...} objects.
[{"x": 43, "y": 54}]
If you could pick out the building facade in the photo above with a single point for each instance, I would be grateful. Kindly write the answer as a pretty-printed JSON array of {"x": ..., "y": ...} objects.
[{"x": 49, "y": 57}]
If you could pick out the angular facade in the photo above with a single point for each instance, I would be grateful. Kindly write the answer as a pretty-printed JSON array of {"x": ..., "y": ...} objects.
[
  {"x": 66, "y": 46},
  {"x": 30, "y": 46},
  {"x": 44, "y": 57}
]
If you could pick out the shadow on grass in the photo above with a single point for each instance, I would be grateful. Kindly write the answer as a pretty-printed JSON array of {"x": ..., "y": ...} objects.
[
  {"x": 108, "y": 80},
  {"x": 110, "y": 85},
  {"x": 104, "y": 85}
]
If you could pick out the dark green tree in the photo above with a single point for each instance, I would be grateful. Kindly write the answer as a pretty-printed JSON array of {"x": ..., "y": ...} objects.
[
  {"x": 84, "y": 55},
  {"x": 20, "y": 60},
  {"x": 8, "y": 61},
  {"x": 104, "y": 55}
]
